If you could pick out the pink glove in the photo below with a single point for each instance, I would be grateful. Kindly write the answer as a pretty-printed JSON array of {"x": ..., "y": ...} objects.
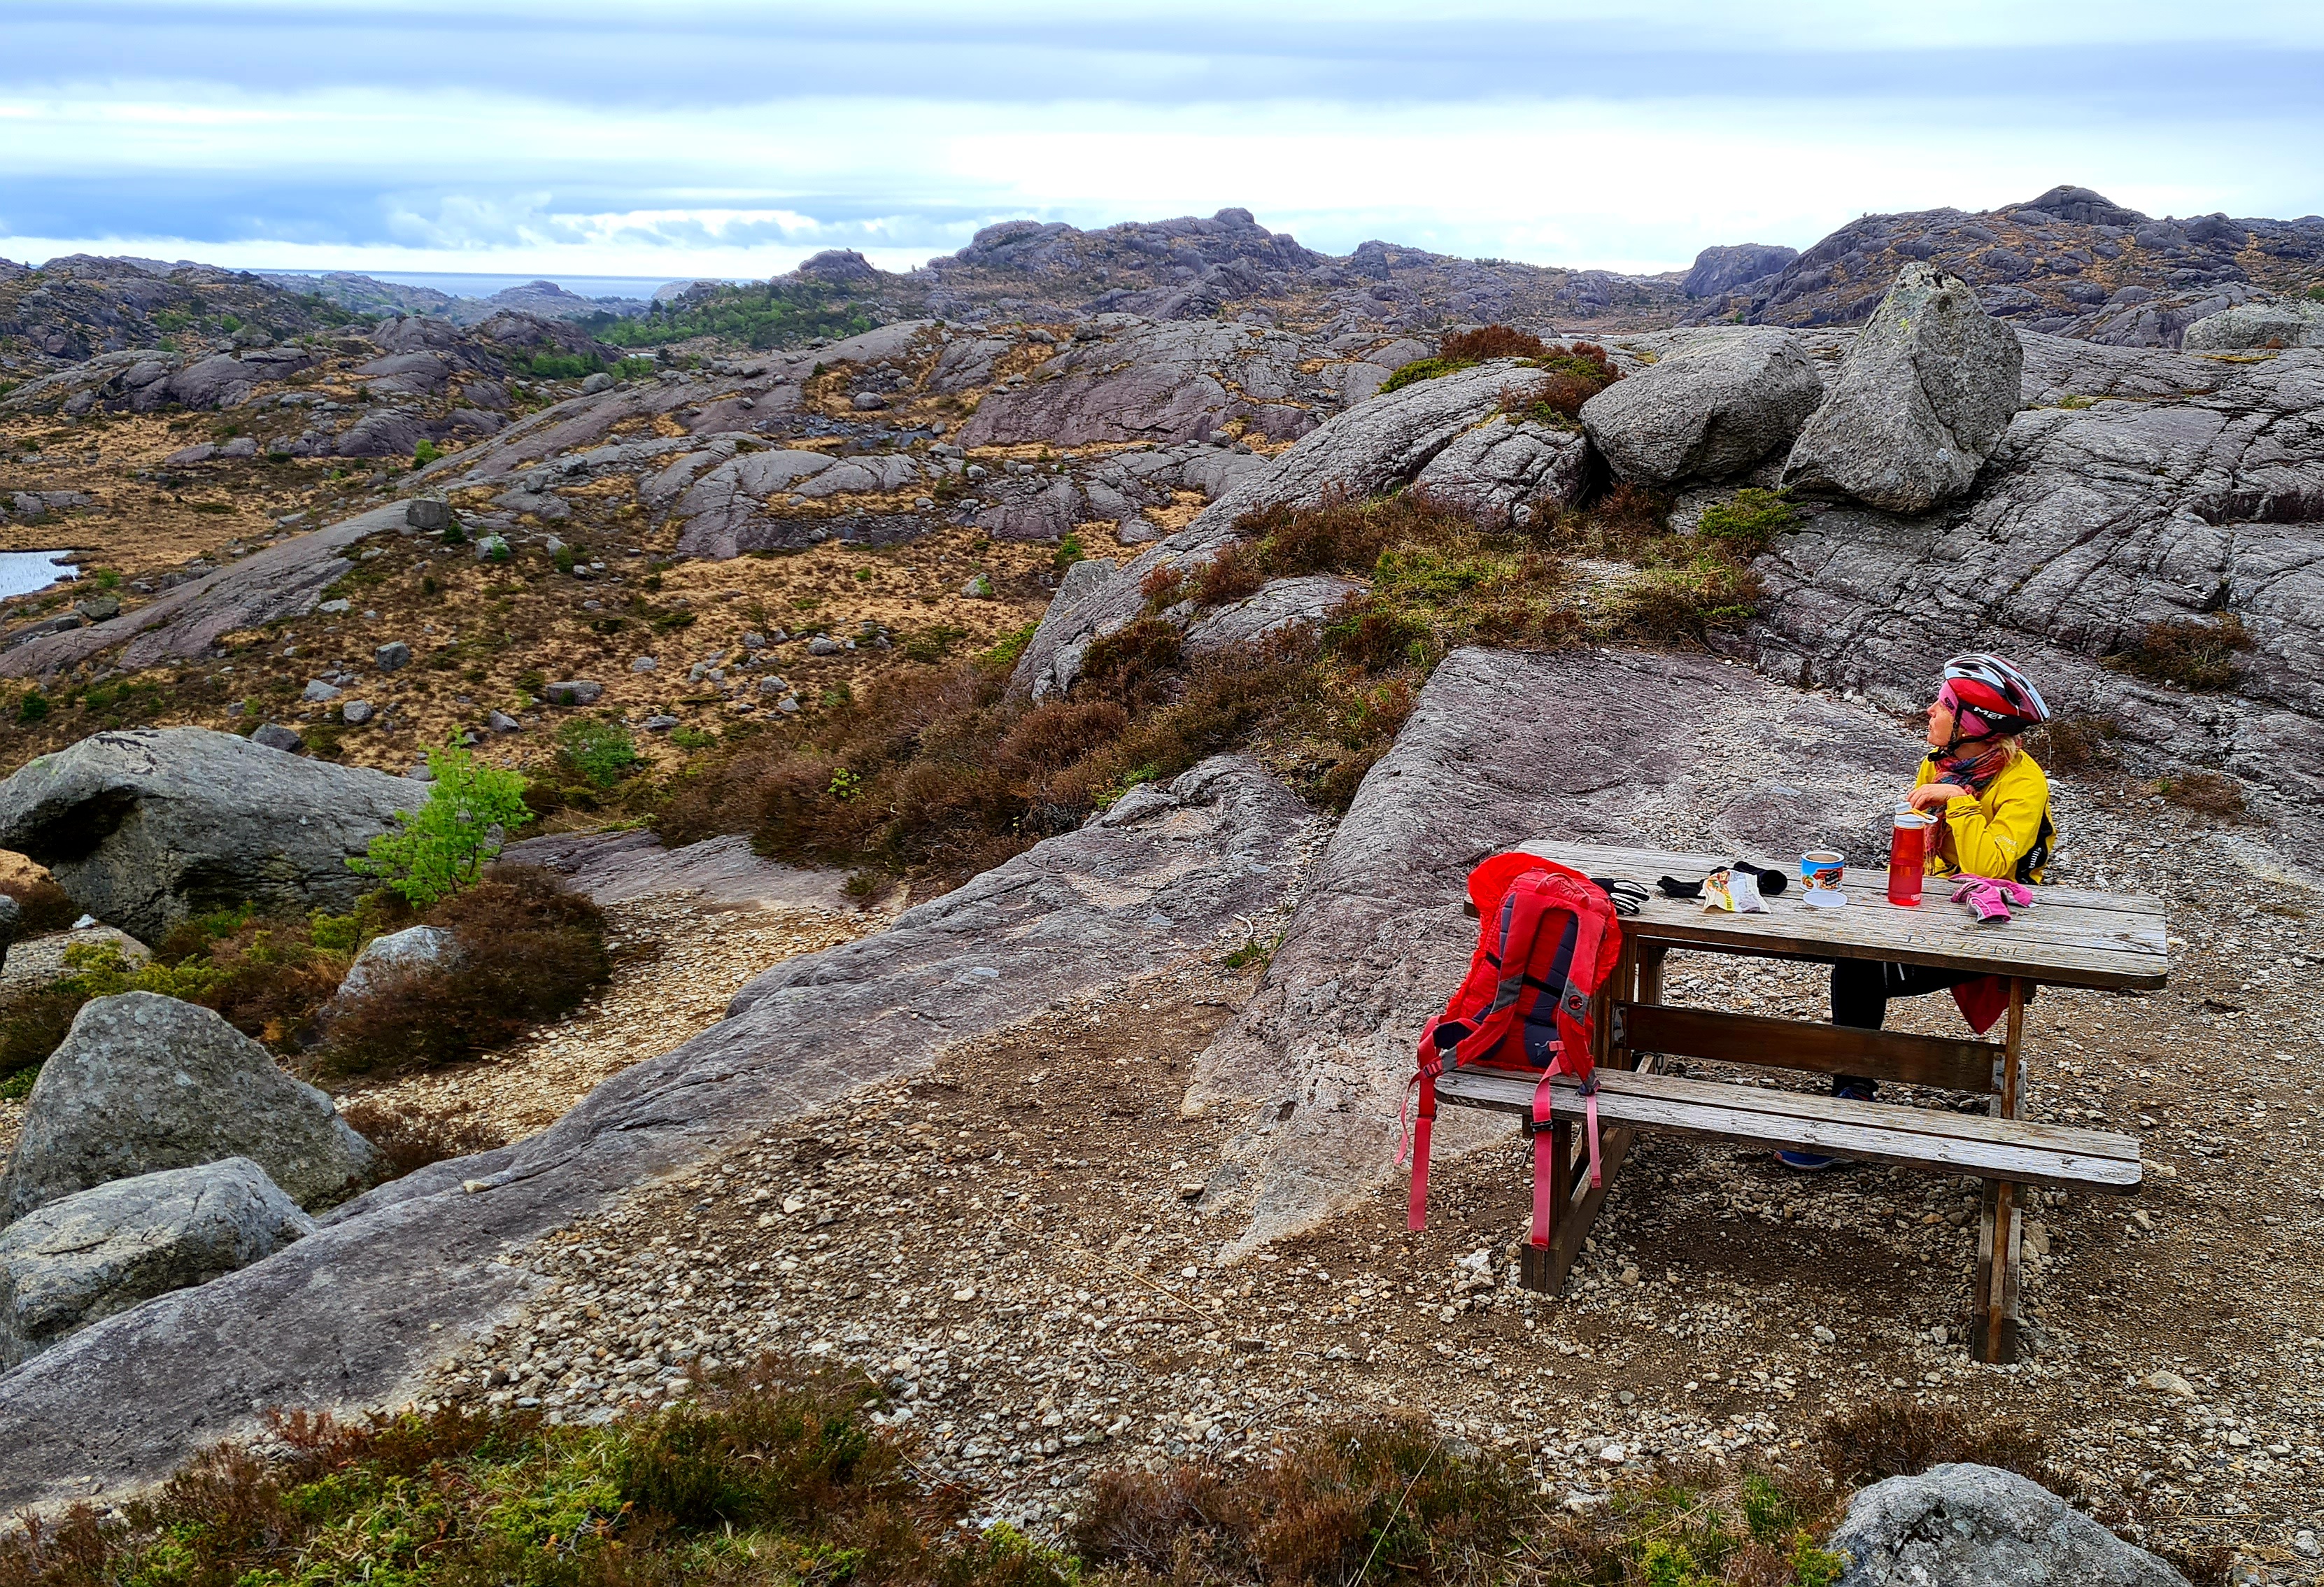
[
  {"x": 1984, "y": 897},
  {"x": 2015, "y": 893}
]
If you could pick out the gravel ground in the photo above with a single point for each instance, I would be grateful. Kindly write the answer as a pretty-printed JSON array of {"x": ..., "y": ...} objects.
[
  {"x": 677, "y": 965},
  {"x": 1011, "y": 1241}
]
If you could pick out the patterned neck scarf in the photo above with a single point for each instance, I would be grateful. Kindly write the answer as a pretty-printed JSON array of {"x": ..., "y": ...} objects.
[{"x": 1974, "y": 767}]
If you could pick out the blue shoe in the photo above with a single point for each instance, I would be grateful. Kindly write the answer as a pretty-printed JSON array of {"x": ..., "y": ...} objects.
[{"x": 1806, "y": 1162}]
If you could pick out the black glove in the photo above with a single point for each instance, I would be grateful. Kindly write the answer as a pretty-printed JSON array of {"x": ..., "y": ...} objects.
[{"x": 1625, "y": 896}]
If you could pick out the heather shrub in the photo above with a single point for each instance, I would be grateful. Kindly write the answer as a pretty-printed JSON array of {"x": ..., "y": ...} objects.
[
  {"x": 45, "y": 907},
  {"x": 1490, "y": 341},
  {"x": 2193, "y": 652},
  {"x": 528, "y": 949},
  {"x": 412, "y": 1136}
]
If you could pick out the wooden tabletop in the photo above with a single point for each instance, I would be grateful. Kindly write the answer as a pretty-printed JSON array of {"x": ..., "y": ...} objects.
[{"x": 2073, "y": 936}]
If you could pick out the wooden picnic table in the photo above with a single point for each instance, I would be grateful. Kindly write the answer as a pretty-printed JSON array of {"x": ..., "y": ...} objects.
[{"x": 2071, "y": 937}]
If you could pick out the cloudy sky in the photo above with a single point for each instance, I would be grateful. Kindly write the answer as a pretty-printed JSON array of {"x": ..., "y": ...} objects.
[{"x": 667, "y": 138}]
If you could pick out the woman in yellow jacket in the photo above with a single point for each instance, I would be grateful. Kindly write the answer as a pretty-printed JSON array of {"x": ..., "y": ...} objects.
[{"x": 1992, "y": 806}]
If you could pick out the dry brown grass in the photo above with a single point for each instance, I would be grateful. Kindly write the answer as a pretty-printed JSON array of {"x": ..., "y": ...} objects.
[
  {"x": 2207, "y": 793},
  {"x": 414, "y": 1137},
  {"x": 2193, "y": 652},
  {"x": 1490, "y": 341},
  {"x": 45, "y": 906}
]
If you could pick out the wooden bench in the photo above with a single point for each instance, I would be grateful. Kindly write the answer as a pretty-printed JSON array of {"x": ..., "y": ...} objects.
[{"x": 2071, "y": 937}]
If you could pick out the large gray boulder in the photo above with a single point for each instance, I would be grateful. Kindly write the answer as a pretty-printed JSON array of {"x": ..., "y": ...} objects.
[
  {"x": 2281, "y": 323},
  {"x": 351, "y": 1315},
  {"x": 102, "y": 1250},
  {"x": 1926, "y": 394},
  {"x": 1717, "y": 403},
  {"x": 143, "y": 1083},
  {"x": 1966, "y": 1526},
  {"x": 144, "y": 828}
]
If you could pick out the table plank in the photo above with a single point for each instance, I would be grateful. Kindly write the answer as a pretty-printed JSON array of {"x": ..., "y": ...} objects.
[
  {"x": 1919, "y": 1137},
  {"x": 2073, "y": 936}
]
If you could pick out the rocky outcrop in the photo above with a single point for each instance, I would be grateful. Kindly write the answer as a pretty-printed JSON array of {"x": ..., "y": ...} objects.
[
  {"x": 2277, "y": 323},
  {"x": 1962, "y": 1525},
  {"x": 1502, "y": 748},
  {"x": 1275, "y": 607},
  {"x": 1382, "y": 445},
  {"x": 1926, "y": 394},
  {"x": 1135, "y": 381},
  {"x": 1720, "y": 271},
  {"x": 2137, "y": 487},
  {"x": 143, "y": 1083},
  {"x": 147, "y": 826},
  {"x": 346, "y": 1315},
  {"x": 613, "y": 868},
  {"x": 2070, "y": 263},
  {"x": 83, "y": 1257},
  {"x": 1714, "y": 405},
  {"x": 284, "y": 580},
  {"x": 1502, "y": 472}
]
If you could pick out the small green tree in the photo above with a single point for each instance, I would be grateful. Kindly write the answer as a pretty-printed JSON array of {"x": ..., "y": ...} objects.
[{"x": 446, "y": 845}]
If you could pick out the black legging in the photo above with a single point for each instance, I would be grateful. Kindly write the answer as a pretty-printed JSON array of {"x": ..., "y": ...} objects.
[{"x": 1860, "y": 991}]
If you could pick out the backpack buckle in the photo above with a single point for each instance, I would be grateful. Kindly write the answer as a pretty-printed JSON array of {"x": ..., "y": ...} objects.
[{"x": 1526, "y": 1123}]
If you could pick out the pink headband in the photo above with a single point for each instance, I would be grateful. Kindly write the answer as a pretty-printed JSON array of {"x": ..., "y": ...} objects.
[{"x": 1966, "y": 723}]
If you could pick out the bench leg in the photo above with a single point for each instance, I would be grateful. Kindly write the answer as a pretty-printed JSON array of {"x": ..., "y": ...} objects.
[
  {"x": 1577, "y": 1204},
  {"x": 1996, "y": 1317},
  {"x": 1537, "y": 1265},
  {"x": 1994, "y": 1327}
]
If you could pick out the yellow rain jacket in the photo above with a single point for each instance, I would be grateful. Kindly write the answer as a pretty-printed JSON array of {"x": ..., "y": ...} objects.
[{"x": 1995, "y": 833}]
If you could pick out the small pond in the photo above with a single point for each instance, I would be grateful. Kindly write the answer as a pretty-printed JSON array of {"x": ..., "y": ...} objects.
[{"x": 23, "y": 572}]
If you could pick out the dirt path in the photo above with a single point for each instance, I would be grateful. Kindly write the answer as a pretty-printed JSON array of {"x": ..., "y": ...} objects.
[
  {"x": 677, "y": 961},
  {"x": 1009, "y": 1239}
]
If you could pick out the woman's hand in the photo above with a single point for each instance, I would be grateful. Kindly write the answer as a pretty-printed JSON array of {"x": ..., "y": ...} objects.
[{"x": 1935, "y": 795}]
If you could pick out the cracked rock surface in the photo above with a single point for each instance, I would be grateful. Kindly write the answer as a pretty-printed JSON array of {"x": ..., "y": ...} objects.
[{"x": 1965, "y": 1526}]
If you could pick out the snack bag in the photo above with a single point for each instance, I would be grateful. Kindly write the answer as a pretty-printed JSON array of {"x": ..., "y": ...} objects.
[{"x": 1736, "y": 892}]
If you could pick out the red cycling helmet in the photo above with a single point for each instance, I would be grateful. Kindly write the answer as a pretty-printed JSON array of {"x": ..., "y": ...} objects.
[{"x": 1988, "y": 695}]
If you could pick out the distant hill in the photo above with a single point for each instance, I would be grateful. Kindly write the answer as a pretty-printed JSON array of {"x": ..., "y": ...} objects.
[{"x": 2071, "y": 262}]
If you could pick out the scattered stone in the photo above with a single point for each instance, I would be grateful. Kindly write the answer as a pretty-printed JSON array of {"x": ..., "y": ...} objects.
[
  {"x": 502, "y": 722},
  {"x": 143, "y": 1083},
  {"x": 335, "y": 608},
  {"x": 356, "y": 713},
  {"x": 644, "y": 664},
  {"x": 81, "y": 1258},
  {"x": 823, "y": 644},
  {"x": 574, "y": 691},
  {"x": 428, "y": 517},
  {"x": 979, "y": 589},
  {"x": 1924, "y": 396},
  {"x": 599, "y": 382},
  {"x": 398, "y": 953},
  {"x": 2164, "y": 1381},
  {"x": 273, "y": 735},
  {"x": 493, "y": 548},
  {"x": 660, "y": 723},
  {"x": 102, "y": 608},
  {"x": 390, "y": 656},
  {"x": 1964, "y": 1525},
  {"x": 319, "y": 690}
]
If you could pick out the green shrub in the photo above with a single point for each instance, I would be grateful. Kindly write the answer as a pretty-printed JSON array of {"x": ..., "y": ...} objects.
[
  {"x": 601, "y": 753},
  {"x": 446, "y": 845},
  {"x": 1421, "y": 369},
  {"x": 1748, "y": 520},
  {"x": 31, "y": 706},
  {"x": 1069, "y": 551},
  {"x": 425, "y": 453}
]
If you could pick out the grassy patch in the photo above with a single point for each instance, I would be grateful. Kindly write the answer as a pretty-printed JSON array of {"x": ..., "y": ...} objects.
[
  {"x": 1748, "y": 522},
  {"x": 2193, "y": 652},
  {"x": 2207, "y": 793}
]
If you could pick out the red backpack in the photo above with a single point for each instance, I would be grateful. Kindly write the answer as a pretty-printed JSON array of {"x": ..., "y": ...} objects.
[{"x": 1546, "y": 939}]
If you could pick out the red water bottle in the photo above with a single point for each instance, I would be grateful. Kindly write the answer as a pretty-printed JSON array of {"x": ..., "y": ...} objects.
[{"x": 1908, "y": 855}]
